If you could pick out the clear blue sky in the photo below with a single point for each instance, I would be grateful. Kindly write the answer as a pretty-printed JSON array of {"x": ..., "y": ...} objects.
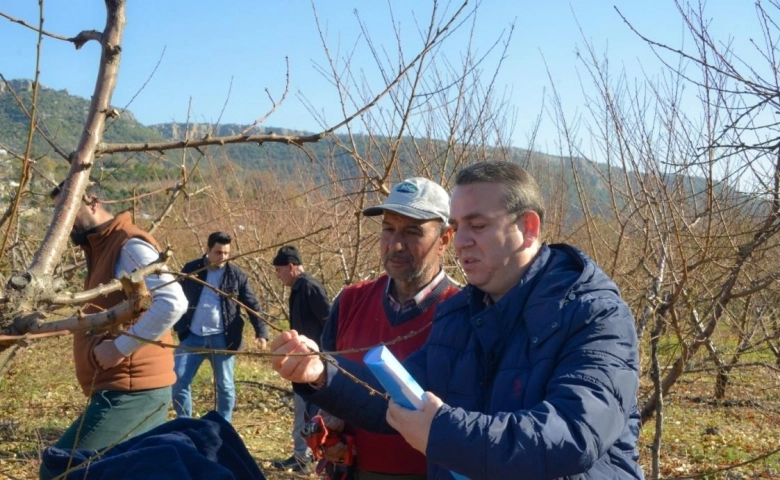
[{"x": 208, "y": 43}]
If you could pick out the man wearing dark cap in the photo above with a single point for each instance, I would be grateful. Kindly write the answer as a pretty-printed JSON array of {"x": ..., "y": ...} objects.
[
  {"x": 213, "y": 321},
  {"x": 415, "y": 234},
  {"x": 309, "y": 307}
]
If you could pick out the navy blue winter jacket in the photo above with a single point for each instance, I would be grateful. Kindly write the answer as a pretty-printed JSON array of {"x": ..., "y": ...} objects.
[
  {"x": 540, "y": 385},
  {"x": 182, "y": 449}
]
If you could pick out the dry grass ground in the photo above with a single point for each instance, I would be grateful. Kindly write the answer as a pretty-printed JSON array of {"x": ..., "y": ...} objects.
[{"x": 40, "y": 398}]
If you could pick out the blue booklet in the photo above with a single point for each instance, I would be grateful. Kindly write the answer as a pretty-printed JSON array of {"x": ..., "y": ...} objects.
[{"x": 400, "y": 385}]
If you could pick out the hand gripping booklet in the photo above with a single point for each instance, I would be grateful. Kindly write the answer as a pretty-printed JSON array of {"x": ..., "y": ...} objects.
[{"x": 400, "y": 385}]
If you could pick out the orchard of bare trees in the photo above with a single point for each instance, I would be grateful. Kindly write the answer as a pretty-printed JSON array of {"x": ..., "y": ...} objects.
[{"x": 684, "y": 215}]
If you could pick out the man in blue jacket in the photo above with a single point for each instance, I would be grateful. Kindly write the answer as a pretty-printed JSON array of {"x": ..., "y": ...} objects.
[
  {"x": 213, "y": 321},
  {"x": 530, "y": 372}
]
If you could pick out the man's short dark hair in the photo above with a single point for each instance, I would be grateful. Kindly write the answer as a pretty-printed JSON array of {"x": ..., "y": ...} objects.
[
  {"x": 521, "y": 192},
  {"x": 222, "y": 238}
]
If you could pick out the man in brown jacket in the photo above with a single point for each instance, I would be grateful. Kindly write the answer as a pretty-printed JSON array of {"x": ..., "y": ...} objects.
[{"x": 127, "y": 381}]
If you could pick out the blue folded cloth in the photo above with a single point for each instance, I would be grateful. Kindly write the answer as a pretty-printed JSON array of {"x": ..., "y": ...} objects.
[{"x": 185, "y": 448}]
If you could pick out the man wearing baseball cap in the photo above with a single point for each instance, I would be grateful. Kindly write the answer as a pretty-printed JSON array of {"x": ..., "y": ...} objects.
[{"x": 415, "y": 235}]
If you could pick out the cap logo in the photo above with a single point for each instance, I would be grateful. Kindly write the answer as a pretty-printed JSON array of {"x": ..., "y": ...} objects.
[{"x": 406, "y": 187}]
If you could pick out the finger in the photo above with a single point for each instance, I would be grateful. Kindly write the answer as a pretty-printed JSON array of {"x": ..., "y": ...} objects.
[
  {"x": 392, "y": 415},
  {"x": 431, "y": 401},
  {"x": 280, "y": 340},
  {"x": 283, "y": 364},
  {"x": 281, "y": 346},
  {"x": 295, "y": 367},
  {"x": 286, "y": 366},
  {"x": 303, "y": 367},
  {"x": 310, "y": 344}
]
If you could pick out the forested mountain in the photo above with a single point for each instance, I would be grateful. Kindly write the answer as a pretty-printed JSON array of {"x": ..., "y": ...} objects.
[{"x": 61, "y": 116}]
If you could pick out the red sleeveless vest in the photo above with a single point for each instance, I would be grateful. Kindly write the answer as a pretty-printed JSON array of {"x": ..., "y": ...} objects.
[{"x": 363, "y": 322}]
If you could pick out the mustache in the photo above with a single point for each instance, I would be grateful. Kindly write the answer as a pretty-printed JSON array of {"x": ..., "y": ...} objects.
[{"x": 398, "y": 256}]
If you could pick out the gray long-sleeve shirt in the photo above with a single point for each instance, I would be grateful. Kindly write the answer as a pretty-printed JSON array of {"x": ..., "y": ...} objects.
[{"x": 168, "y": 300}]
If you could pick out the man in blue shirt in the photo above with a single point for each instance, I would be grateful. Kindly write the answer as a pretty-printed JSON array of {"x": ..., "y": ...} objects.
[{"x": 213, "y": 321}]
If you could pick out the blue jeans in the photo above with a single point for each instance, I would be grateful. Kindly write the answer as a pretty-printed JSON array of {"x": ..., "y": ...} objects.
[{"x": 186, "y": 366}]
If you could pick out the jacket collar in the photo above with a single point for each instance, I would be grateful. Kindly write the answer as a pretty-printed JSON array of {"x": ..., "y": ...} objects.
[
  {"x": 510, "y": 306},
  {"x": 299, "y": 281}
]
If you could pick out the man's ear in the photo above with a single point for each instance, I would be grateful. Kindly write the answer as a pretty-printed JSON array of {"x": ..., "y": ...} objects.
[
  {"x": 92, "y": 203},
  {"x": 530, "y": 225},
  {"x": 446, "y": 237}
]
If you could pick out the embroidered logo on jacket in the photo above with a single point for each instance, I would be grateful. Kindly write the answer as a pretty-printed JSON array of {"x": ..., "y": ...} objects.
[{"x": 517, "y": 388}]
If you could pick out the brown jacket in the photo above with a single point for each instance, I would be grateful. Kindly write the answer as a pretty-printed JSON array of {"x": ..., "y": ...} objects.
[{"x": 148, "y": 367}]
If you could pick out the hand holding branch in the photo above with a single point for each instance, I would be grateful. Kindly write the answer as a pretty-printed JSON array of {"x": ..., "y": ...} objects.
[{"x": 291, "y": 360}]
